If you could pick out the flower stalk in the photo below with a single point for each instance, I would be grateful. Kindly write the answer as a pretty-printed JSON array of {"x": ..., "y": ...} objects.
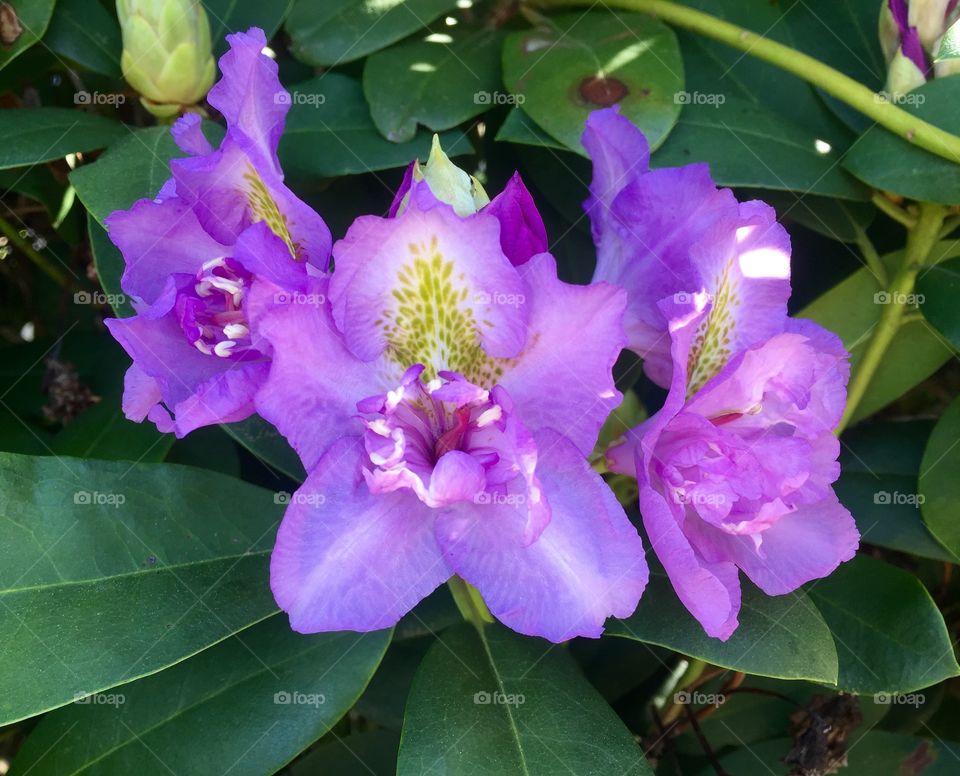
[
  {"x": 920, "y": 241},
  {"x": 469, "y": 602},
  {"x": 911, "y": 128}
]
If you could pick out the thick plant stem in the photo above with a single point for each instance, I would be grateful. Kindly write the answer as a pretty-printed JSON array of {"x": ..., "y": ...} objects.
[
  {"x": 920, "y": 241},
  {"x": 833, "y": 82},
  {"x": 898, "y": 214},
  {"x": 469, "y": 602},
  {"x": 35, "y": 256}
]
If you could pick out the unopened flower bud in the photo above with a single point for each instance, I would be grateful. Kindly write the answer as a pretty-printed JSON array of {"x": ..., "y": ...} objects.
[{"x": 166, "y": 52}]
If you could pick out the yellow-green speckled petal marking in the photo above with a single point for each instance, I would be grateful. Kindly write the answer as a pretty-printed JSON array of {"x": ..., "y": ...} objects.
[
  {"x": 711, "y": 347},
  {"x": 265, "y": 208},
  {"x": 433, "y": 321}
]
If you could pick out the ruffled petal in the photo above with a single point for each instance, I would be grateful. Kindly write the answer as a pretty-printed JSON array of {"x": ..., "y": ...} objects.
[
  {"x": 586, "y": 565},
  {"x": 346, "y": 559},
  {"x": 188, "y": 135},
  {"x": 575, "y": 336},
  {"x": 158, "y": 239},
  {"x": 315, "y": 383},
  {"x": 429, "y": 287},
  {"x": 249, "y": 95}
]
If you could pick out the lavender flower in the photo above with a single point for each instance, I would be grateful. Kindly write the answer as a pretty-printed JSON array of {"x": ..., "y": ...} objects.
[
  {"x": 444, "y": 405},
  {"x": 735, "y": 470},
  {"x": 222, "y": 242}
]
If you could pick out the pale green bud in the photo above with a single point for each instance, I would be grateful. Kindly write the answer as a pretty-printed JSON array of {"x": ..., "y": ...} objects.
[
  {"x": 929, "y": 17},
  {"x": 889, "y": 32},
  {"x": 903, "y": 76},
  {"x": 449, "y": 183},
  {"x": 167, "y": 54}
]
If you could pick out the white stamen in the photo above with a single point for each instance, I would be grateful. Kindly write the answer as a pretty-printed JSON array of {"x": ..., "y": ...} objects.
[
  {"x": 223, "y": 349},
  {"x": 214, "y": 263},
  {"x": 203, "y": 347},
  {"x": 230, "y": 286},
  {"x": 235, "y": 331},
  {"x": 489, "y": 416},
  {"x": 203, "y": 288}
]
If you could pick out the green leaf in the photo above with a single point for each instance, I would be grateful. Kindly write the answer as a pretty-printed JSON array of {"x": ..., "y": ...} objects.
[
  {"x": 890, "y": 636},
  {"x": 329, "y": 132},
  {"x": 30, "y": 136},
  {"x": 268, "y": 445},
  {"x": 885, "y": 161},
  {"x": 779, "y": 636},
  {"x": 852, "y": 308},
  {"x": 879, "y": 465},
  {"x": 339, "y": 31},
  {"x": 713, "y": 67},
  {"x": 35, "y": 182},
  {"x": 133, "y": 168},
  {"x": 439, "y": 81},
  {"x": 749, "y": 145},
  {"x": 938, "y": 481},
  {"x": 246, "y": 706},
  {"x": 110, "y": 571},
  {"x": 108, "y": 261},
  {"x": 228, "y": 16},
  {"x": 518, "y": 127},
  {"x": 500, "y": 703},
  {"x": 572, "y": 64},
  {"x": 939, "y": 285},
  {"x": 838, "y": 219},
  {"x": 87, "y": 34},
  {"x": 27, "y": 20},
  {"x": 950, "y": 45}
]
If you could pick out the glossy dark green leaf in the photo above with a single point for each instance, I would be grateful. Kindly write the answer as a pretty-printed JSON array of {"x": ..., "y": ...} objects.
[
  {"x": 750, "y": 145},
  {"x": 329, "y": 132},
  {"x": 885, "y": 161},
  {"x": 939, "y": 286},
  {"x": 880, "y": 466},
  {"x": 843, "y": 34},
  {"x": 438, "y": 82},
  {"x": 25, "y": 21},
  {"x": 852, "y": 308},
  {"x": 779, "y": 636},
  {"x": 505, "y": 704},
  {"x": 518, "y": 127},
  {"x": 268, "y": 445},
  {"x": 339, "y": 31},
  {"x": 110, "y": 571},
  {"x": 890, "y": 636},
  {"x": 939, "y": 483},
  {"x": 246, "y": 706},
  {"x": 87, "y": 34},
  {"x": 870, "y": 753},
  {"x": 29, "y": 136},
  {"x": 572, "y": 64},
  {"x": 228, "y": 16},
  {"x": 838, "y": 219},
  {"x": 108, "y": 262},
  {"x": 712, "y": 67}
]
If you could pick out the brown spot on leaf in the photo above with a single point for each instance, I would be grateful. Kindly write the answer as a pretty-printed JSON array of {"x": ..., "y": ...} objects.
[
  {"x": 603, "y": 91},
  {"x": 10, "y": 27}
]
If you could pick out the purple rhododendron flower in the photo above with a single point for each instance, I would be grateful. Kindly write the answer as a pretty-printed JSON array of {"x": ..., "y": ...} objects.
[
  {"x": 222, "y": 242},
  {"x": 735, "y": 471},
  {"x": 672, "y": 231},
  {"x": 444, "y": 404}
]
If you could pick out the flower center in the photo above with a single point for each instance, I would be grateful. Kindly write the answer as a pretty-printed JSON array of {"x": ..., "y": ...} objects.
[
  {"x": 448, "y": 440},
  {"x": 211, "y": 311}
]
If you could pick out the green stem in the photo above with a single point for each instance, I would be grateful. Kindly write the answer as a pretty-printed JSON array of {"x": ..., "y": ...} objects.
[
  {"x": 898, "y": 214},
  {"x": 37, "y": 258},
  {"x": 949, "y": 227},
  {"x": 833, "y": 82},
  {"x": 693, "y": 672},
  {"x": 870, "y": 255},
  {"x": 920, "y": 241},
  {"x": 469, "y": 602}
]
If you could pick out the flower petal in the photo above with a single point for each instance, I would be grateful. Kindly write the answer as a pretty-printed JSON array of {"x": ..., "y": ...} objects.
[
  {"x": 585, "y": 566},
  {"x": 575, "y": 336},
  {"x": 522, "y": 233},
  {"x": 346, "y": 559},
  {"x": 428, "y": 287},
  {"x": 315, "y": 382}
]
